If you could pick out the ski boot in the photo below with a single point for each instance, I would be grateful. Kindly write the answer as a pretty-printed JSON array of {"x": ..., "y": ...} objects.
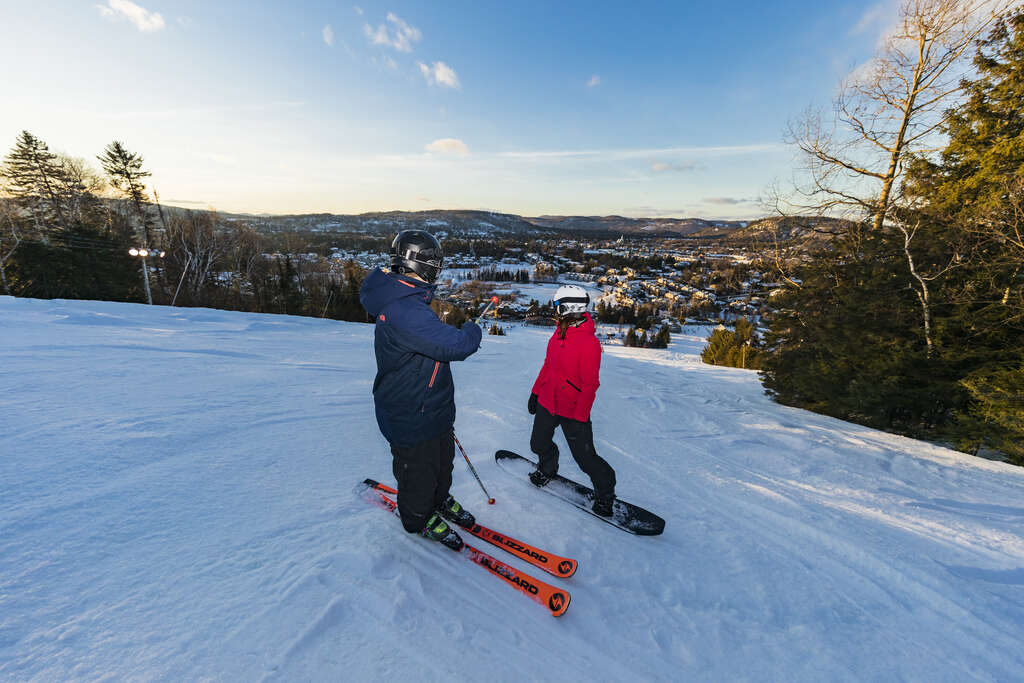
[
  {"x": 603, "y": 504},
  {"x": 453, "y": 511},
  {"x": 438, "y": 530}
]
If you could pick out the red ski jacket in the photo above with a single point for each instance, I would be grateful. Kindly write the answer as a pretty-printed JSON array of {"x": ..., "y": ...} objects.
[{"x": 568, "y": 381}]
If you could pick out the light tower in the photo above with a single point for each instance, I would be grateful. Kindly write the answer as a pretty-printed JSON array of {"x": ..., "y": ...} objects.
[{"x": 144, "y": 253}]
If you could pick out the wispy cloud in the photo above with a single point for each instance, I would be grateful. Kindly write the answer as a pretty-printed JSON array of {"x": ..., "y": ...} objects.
[
  {"x": 386, "y": 61},
  {"x": 619, "y": 154},
  {"x": 729, "y": 201},
  {"x": 439, "y": 74},
  {"x": 395, "y": 33},
  {"x": 594, "y": 81},
  {"x": 874, "y": 17},
  {"x": 328, "y": 35},
  {"x": 358, "y": 10},
  {"x": 189, "y": 202},
  {"x": 663, "y": 166},
  {"x": 452, "y": 146},
  {"x": 652, "y": 212},
  {"x": 230, "y": 110},
  {"x": 143, "y": 19}
]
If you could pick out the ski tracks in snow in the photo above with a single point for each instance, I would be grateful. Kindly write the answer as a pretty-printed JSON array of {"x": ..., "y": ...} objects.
[{"x": 176, "y": 503}]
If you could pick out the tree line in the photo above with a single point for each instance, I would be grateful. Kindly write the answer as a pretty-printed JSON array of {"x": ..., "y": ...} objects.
[
  {"x": 655, "y": 340},
  {"x": 912, "y": 318},
  {"x": 67, "y": 230},
  {"x": 495, "y": 274},
  {"x": 739, "y": 347}
]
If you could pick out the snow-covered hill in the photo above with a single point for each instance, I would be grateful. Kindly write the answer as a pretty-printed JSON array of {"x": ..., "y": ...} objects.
[{"x": 176, "y": 503}]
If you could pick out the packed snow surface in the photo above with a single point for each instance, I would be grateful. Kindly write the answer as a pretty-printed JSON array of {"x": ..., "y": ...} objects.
[{"x": 177, "y": 503}]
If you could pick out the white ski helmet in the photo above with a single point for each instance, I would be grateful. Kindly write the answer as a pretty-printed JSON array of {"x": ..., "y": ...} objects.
[{"x": 571, "y": 299}]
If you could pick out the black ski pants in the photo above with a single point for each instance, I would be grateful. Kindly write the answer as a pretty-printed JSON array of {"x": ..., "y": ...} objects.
[
  {"x": 580, "y": 437},
  {"x": 424, "y": 475}
]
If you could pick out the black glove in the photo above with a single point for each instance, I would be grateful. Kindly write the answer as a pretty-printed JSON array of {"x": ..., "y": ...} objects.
[{"x": 532, "y": 404}]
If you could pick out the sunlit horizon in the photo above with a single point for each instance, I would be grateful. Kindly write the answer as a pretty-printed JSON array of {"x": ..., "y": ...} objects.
[{"x": 253, "y": 108}]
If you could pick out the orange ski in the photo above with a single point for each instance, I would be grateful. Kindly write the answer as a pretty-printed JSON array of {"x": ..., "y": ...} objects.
[
  {"x": 555, "y": 600},
  {"x": 562, "y": 567}
]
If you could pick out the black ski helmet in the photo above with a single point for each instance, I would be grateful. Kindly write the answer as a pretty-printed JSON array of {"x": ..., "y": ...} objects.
[{"x": 417, "y": 251}]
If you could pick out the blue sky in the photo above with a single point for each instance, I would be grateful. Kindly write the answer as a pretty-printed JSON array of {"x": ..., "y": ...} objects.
[{"x": 653, "y": 109}]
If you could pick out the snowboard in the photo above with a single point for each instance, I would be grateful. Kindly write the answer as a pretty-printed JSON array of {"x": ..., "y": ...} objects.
[{"x": 625, "y": 516}]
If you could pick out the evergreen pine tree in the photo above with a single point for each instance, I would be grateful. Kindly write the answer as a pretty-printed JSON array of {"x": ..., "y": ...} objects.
[
  {"x": 663, "y": 338},
  {"x": 91, "y": 266},
  {"x": 848, "y": 343},
  {"x": 351, "y": 308},
  {"x": 971, "y": 201},
  {"x": 125, "y": 172},
  {"x": 33, "y": 177}
]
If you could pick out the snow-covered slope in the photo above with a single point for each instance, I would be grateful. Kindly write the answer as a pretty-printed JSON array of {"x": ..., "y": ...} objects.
[{"x": 176, "y": 503}]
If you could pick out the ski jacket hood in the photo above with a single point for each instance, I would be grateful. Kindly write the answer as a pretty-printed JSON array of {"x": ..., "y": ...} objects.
[
  {"x": 413, "y": 393},
  {"x": 568, "y": 380},
  {"x": 381, "y": 289}
]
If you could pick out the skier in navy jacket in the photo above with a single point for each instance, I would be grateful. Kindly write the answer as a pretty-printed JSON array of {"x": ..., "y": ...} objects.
[{"x": 413, "y": 394}]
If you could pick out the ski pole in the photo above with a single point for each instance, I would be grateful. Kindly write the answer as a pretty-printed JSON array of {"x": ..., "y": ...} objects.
[
  {"x": 492, "y": 302},
  {"x": 490, "y": 501}
]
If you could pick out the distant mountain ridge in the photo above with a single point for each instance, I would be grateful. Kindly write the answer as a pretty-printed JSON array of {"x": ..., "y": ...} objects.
[
  {"x": 461, "y": 222},
  {"x": 482, "y": 223},
  {"x": 662, "y": 227},
  {"x": 808, "y": 234},
  {"x": 810, "y": 231}
]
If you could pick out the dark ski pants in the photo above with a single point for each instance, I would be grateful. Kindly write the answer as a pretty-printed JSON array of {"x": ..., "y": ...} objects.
[
  {"x": 580, "y": 437},
  {"x": 424, "y": 475}
]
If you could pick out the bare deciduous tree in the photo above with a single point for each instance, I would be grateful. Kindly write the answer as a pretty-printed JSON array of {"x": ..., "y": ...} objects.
[
  {"x": 889, "y": 108},
  {"x": 886, "y": 111},
  {"x": 922, "y": 279},
  {"x": 195, "y": 241},
  {"x": 245, "y": 250},
  {"x": 10, "y": 238},
  {"x": 78, "y": 184}
]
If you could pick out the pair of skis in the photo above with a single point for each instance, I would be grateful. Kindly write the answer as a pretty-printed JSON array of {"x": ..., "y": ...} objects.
[
  {"x": 625, "y": 516},
  {"x": 554, "y": 599}
]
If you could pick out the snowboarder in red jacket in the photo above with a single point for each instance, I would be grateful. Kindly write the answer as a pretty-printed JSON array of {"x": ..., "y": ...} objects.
[{"x": 563, "y": 395}]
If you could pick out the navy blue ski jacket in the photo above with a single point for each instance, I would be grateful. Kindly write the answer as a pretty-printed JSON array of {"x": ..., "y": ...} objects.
[{"x": 413, "y": 394}]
